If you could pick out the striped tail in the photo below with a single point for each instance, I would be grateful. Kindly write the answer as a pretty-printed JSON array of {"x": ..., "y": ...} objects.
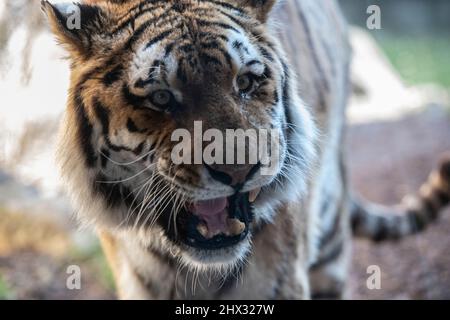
[{"x": 378, "y": 223}]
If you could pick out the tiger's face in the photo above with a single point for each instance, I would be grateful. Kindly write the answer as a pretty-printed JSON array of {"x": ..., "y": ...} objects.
[{"x": 146, "y": 74}]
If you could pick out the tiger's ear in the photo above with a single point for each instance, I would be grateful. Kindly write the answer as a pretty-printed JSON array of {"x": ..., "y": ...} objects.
[
  {"x": 261, "y": 8},
  {"x": 75, "y": 25}
]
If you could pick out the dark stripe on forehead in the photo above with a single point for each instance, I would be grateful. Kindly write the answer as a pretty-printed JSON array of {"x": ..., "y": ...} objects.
[
  {"x": 205, "y": 23},
  {"x": 212, "y": 44},
  {"x": 132, "y": 17},
  {"x": 240, "y": 49},
  {"x": 227, "y": 5},
  {"x": 234, "y": 19},
  {"x": 188, "y": 47},
  {"x": 215, "y": 45},
  {"x": 238, "y": 45},
  {"x": 142, "y": 28},
  {"x": 138, "y": 7},
  {"x": 159, "y": 38},
  {"x": 212, "y": 36},
  {"x": 85, "y": 131},
  {"x": 209, "y": 59},
  {"x": 253, "y": 62},
  {"x": 266, "y": 53}
]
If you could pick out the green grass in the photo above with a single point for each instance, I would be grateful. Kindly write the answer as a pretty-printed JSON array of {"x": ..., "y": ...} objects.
[
  {"x": 101, "y": 264},
  {"x": 5, "y": 292},
  {"x": 420, "y": 59}
]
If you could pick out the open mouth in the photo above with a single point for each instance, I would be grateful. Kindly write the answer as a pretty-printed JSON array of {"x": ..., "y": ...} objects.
[{"x": 214, "y": 224}]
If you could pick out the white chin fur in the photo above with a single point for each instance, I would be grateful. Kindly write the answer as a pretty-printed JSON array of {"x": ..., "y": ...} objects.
[{"x": 216, "y": 260}]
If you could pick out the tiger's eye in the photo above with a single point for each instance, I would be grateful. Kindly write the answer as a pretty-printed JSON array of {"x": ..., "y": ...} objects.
[
  {"x": 244, "y": 83},
  {"x": 161, "y": 98}
]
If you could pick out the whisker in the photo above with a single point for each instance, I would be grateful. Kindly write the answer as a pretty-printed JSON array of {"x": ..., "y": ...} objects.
[
  {"x": 126, "y": 163},
  {"x": 129, "y": 178}
]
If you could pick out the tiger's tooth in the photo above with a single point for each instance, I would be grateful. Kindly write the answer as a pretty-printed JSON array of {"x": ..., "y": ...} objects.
[
  {"x": 253, "y": 195},
  {"x": 203, "y": 229},
  {"x": 236, "y": 227}
]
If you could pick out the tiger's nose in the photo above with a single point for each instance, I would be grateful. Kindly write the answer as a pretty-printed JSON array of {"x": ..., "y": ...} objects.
[{"x": 232, "y": 175}]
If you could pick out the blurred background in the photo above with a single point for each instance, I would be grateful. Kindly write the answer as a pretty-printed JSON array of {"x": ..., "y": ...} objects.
[{"x": 399, "y": 124}]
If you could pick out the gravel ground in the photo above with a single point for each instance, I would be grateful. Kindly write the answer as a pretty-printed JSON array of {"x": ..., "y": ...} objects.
[
  {"x": 387, "y": 161},
  {"x": 32, "y": 275}
]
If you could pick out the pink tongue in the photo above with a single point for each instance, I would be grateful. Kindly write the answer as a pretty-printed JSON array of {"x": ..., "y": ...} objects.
[
  {"x": 210, "y": 207},
  {"x": 214, "y": 213}
]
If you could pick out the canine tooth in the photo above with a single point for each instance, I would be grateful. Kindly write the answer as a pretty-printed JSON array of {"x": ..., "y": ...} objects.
[
  {"x": 203, "y": 229},
  {"x": 236, "y": 226},
  {"x": 253, "y": 195}
]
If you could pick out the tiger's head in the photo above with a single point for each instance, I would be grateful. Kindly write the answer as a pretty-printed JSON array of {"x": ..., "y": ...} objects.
[{"x": 149, "y": 77}]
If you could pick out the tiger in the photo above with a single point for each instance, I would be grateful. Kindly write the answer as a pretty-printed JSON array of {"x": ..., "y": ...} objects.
[{"x": 143, "y": 69}]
